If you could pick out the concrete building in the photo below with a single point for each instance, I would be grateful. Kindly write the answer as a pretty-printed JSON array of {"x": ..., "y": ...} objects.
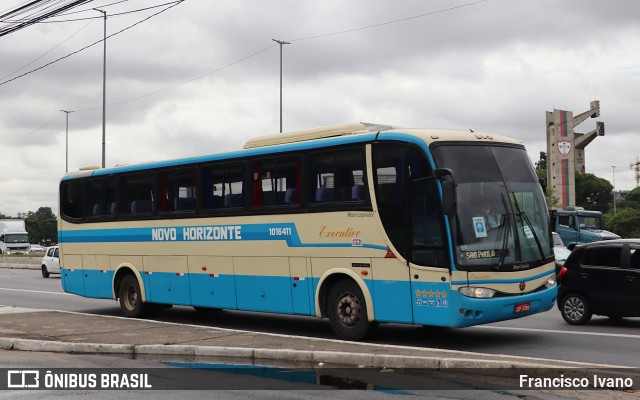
[{"x": 565, "y": 149}]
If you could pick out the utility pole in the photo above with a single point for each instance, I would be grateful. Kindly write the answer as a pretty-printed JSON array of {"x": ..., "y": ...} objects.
[
  {"x": 66, "y": 169},
  {"x": 280, "y": 42},
  {"x": 614, "y": 189},
  {"x": 636, "y": 167},
  {"x": 104, "y": 85}
]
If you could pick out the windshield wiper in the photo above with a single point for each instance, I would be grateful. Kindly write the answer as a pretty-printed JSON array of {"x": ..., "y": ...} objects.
[
  {"x": 506, "y": 220},
  {"x": 533, "y": 231}
]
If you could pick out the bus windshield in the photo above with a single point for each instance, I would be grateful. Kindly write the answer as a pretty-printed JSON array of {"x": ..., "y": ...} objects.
[{"x": 500, "y": 222}]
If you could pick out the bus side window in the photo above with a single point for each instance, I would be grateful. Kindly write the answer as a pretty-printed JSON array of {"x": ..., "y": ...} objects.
[
  {"x": 178, "y": 190},
  {"x": 276, "y": 182},
  {"x": 101, "y": 197},
  {"x": 223, "y": 186},
  {"x": 337, "y": 176},
  {"x": 137, "y": 194}
]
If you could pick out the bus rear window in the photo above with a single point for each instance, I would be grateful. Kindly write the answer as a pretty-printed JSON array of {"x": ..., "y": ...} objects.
[{"x": 72, "y": 199}]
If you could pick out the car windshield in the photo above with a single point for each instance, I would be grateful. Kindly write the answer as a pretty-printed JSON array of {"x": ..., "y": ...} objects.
[
  {"x": 591, "y": 222},
  {"x": 16, "y": 238},
  {"x": 502, "y": 219}
]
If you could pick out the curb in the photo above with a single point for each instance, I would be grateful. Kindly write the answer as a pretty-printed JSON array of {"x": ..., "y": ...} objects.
[{"x": 360, "y": 360}]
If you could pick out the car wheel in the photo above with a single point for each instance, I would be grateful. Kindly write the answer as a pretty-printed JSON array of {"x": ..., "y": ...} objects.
[
  {"x": 45, "y": 272},
  {"x": 575, "y": 309},
  {"x": 347, "y": 311}
]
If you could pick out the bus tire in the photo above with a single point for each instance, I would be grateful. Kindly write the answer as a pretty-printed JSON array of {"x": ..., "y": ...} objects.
[
  {"x": 130, "y": 297},
  {"x": 347, "y": 311}
]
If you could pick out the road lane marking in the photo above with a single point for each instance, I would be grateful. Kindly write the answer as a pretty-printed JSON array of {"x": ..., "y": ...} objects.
[
  {"x": 510, "y": 328},
  {"x": 36, "y": 291}
]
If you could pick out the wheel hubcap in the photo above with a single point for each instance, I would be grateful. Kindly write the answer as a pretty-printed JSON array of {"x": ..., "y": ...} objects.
[
  {"x": 574, "y": 308},
  {"x": 131, "y": 298},
  {"x": 349, "y": 309}
]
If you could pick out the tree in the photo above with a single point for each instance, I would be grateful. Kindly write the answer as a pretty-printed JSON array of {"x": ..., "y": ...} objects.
[
  {"x": 553, "y": 201},
  {"x": 625, "y": 223},
  {"x": 541, "y": 166},
  {"x": 2, "y": 216},
  {"x": 42, "y": 226},
  {"x": 633, "y": 195},
  {"x": 593, "y": 193}
]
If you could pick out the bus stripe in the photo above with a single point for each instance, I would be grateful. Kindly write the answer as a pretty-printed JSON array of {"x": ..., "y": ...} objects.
[{"x": 180, "y": 234}]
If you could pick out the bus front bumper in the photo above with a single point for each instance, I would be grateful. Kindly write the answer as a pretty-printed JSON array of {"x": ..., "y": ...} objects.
[{"x": 476, "y": 311}]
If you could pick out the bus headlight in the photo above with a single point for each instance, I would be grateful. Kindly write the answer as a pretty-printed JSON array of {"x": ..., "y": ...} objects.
[
  {"x": 551, "y": 282},
  {"x": 481, "y": 293}
]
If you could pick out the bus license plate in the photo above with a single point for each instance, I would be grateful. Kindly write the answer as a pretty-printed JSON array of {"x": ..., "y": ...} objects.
[{"x": 522, "y": 307}]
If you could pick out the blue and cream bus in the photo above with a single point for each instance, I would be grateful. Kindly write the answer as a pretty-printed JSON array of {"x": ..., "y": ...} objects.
[{"x": 358, "y": 223}]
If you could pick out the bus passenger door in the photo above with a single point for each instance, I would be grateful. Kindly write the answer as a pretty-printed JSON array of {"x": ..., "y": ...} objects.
[{"x": 429, "y": 272}]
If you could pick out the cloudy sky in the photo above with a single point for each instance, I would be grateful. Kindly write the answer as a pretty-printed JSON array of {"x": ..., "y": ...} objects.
[{"x": 203, "y": 77}]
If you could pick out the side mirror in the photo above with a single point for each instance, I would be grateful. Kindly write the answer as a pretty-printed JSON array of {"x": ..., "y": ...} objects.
[{"x": 449, "y": 196}]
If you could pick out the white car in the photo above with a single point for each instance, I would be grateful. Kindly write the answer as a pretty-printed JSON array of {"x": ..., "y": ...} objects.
[
  {"x": 51, "y": 262},
  {"x": 36, "y": 248},
  {"x": 560, "y": 251}
]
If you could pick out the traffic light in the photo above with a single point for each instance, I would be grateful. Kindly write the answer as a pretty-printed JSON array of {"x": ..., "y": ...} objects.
[{"x": 600, "y": 128}]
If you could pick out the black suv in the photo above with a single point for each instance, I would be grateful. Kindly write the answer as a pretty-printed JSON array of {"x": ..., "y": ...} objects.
[{"x": 601, "y": 278}]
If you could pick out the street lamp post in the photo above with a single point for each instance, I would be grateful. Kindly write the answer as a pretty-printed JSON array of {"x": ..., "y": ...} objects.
[
  {"x": 66, "y": 169},
  {"x": 614, "y": 189},
  {"x": 104, "y": 84},
  {"x": 280, "y": 42}
]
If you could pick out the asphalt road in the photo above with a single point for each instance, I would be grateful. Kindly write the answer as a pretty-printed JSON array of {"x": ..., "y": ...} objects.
[{"x": 546, "y": 335}]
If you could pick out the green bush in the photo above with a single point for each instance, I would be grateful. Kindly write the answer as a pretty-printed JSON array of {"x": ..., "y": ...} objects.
[{"x": 625, "y": 223}]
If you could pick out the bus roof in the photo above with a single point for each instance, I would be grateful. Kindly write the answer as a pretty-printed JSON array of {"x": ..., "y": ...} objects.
[
  {"x": 299, "y": 140},
  {"x": 316, "y": 133}
]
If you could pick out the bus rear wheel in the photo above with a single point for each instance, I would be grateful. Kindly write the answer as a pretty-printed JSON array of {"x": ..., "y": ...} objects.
[
  {"x": 347, "y": 311},
  {"x": 130, "y": 298}
]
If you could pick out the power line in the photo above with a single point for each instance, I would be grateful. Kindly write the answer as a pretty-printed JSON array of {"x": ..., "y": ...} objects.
[
  {"x": 91, "y": 9},
  {"x": 293, "y": 40},
  {"x": 110, "y": 15},
  {"x": 88, "y": 46},
  {"x": 185, "y": 82},
  {"x": 239, "y": 60},
  {"x": 34, "y": 132},
  {"x": 36, "y": 11},
  {"x": 63, "y": 42},
  {"x": 389, "y": 22}
]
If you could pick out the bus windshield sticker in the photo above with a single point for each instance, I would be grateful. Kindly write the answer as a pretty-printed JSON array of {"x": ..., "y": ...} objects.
[
  {"x": 479, "y": 227},
  {"x": 527, "y": 232}
]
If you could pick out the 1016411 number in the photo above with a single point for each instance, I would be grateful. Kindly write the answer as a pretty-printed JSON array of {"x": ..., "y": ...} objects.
[{"x": 280, "y": 231}]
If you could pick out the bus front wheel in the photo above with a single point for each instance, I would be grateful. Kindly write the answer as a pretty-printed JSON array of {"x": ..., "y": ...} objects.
[{"x": 347, "y": 311}]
